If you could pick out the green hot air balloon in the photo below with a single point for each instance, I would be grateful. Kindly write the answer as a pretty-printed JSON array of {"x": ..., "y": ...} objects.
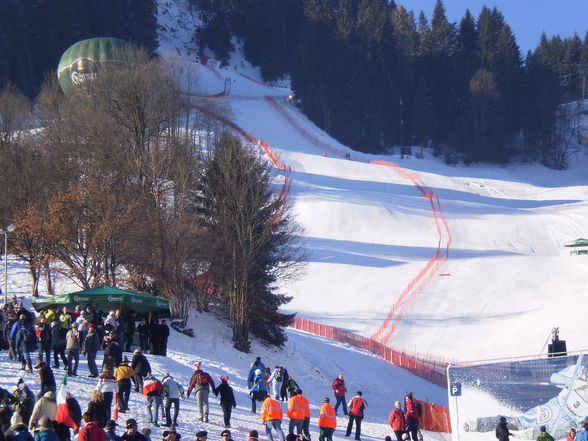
[{"x": 84, "y": 59}]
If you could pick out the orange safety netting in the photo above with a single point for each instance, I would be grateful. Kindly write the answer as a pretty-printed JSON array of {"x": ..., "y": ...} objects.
[{"x": 435, "y": 418}]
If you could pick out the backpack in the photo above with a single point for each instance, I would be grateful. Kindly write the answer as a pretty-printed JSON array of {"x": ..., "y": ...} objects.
[
  {"x": 419, "y": 408},
  {"x": 202, "y": 378},
  {"x": 279, "y": 376},
  {"x": 29, "y": 335}
]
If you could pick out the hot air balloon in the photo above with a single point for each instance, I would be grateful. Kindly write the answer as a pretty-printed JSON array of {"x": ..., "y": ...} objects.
[{"x": 85, "y": 58}]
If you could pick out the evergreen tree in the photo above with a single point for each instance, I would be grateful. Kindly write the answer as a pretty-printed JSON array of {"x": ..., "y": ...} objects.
[{"x": 257, "y": 241}]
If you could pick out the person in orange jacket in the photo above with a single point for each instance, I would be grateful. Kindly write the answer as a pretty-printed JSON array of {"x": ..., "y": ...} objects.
[
  {"x": 271, "y": 416},
  {"x": 296, "y": 413},
  {"x": 306, "y": 422},
  {"x": 327, "y": 421}
]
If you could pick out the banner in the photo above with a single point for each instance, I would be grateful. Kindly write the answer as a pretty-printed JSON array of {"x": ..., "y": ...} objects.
[{"x": 550, "y": 392}]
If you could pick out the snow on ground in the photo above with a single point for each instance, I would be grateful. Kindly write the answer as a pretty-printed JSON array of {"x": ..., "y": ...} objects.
[
  {"x": 312, "y": 361},
  {"x": 368, "y": 232}
]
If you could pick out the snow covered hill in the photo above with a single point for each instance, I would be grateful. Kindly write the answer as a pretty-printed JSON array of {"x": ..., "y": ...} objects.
[{"x": 369, "y": 232}]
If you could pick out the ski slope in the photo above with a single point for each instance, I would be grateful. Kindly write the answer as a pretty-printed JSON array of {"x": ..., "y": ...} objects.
[{"x": 368, "y": 232}]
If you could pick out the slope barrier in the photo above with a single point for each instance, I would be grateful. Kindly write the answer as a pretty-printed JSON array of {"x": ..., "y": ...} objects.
[
  {"x": 417, "y": 285},
  {"x": 435, "y": 418}
]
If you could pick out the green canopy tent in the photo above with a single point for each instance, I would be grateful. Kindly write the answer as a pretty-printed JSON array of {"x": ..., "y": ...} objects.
[
  {"x": 580, "y": 246},
  {"x": 105, "y": 298}
]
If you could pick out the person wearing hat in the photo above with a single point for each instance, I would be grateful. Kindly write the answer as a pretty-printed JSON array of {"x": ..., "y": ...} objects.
[
  {"x": 90, "y": 348},
  {"x": 112, "y": 351},
  {"x": 226, "y": 435},
  {"x": 543, "y": 435},
  {"x": 132, "y": 434},
  {"x": 201, "y": 383},
  {"x": 253, "y": 436},
  {"x": 356, "y": 406},
  {"x": 25, "y": 400},
  {"x": 72, "y": 346},
  {"x": 17, "y": 430},
  {"x": 91, "y": 431},
  {"x": 142, "y": 368},
  {"x": 153, "y": 390},
  {"x": 111, "y": 431},
  {"x": 123, "y": 375},
  {"x": 44, "y": 407},
  {"x": 47, "y": 378},
  {"x": 327, "y": 421},
  {"x": 108, "y": 385},
  {"x": 397, "y": 421},
  {"x": 45, "y": 431},
  {"x": 171, "y": 435},
  {"x": 502, "y": 432},
  {"x": 202, "y": 435},
  {"x": 271, "y": 416},
  {"x": 227, "y": 399},
  {"x": 172, "y": 390}
]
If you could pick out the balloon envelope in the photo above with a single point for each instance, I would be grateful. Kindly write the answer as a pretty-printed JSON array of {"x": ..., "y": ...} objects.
[{"x": 84, "y": 59}]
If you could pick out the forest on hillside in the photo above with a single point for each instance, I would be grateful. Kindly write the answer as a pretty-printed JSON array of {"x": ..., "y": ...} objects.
[{"x": 369, "y": 72}]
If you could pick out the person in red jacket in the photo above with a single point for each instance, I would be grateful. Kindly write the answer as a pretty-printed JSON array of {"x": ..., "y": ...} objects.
[
  {"x": 91, "y": 431},
  {"x": 340, "y": 391},
  {"x": 397, "y": 421},
  {"x": 412, "y": 416},
  {"x": 356, "y": 407}
]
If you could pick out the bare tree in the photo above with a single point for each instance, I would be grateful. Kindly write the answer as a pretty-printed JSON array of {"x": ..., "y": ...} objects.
[{"x": 15, "y": 115}]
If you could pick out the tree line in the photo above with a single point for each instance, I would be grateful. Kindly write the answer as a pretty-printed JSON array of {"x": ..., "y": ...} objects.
[
  {"x": 34, "y": 33},
  {"x": 123, "y": 181},
  {"x": 374, "y": 75}
]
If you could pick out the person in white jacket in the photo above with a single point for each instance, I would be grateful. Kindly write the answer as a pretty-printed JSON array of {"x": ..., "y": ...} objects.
[
  {"x": 108, "y": 385},
  {"x": 275, "y": 380},
  {"x": 172, "y": 391}
]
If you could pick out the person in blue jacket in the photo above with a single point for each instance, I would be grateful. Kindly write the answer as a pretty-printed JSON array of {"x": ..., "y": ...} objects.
[
  {"x": 258, "y": 389},
  {"x": 26, "y": 342},
  {"x": 257, "y": 364}
]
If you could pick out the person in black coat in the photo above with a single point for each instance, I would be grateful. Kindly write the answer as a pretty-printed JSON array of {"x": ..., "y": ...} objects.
[
  {"x": 142, "y": 368},
  {"x": 58, "y": 344},
  {"x": 129, "y": 330},
  {"x": 44, "y": 333},
  {"x": 227, "y": 399},
  {"x": 284, "y": 388},
  {"x": 164, "y": 336},
  {"x": 47, "y": 379},
  {"x": 155, "y": 337},
  {"x": 25, "y": 401},
  {"x": 502, "y": 432},
  {"x": 90, "y": 349},
  {"x": 112, "y": 352},
  {"x": 97, "y": 407},
  {"x": 143, "y": 330}
]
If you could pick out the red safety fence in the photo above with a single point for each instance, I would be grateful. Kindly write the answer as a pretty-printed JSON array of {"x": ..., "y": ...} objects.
[
  {"x": 418, "y": 284},
  {"x": 435, "y": 418}
]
